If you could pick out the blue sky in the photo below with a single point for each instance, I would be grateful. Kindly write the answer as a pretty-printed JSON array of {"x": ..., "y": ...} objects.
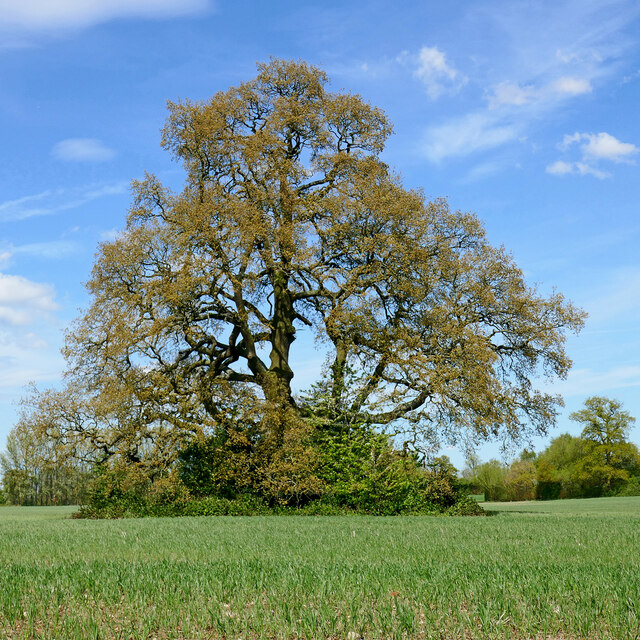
[{"x": 524, "y": 112}]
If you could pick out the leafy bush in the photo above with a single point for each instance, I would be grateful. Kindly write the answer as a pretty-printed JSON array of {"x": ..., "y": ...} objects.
[
  {"x": 365, "y": 473},
  {"x": 632, "y": 488},
  {"x": 216, "y": 506},
  {"x": 221, "y": 464},
  {"x": 465, "y": 506},
  {"x": 127, "y": 491},
  {"x": 335, "y": 471}
]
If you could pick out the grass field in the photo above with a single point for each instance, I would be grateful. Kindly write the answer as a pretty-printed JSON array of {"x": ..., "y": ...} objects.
[{"x": 555, "y": 570}]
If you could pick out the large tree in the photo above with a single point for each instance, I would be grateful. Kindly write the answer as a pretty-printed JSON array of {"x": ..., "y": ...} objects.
[{"x": 289, "y": 218}]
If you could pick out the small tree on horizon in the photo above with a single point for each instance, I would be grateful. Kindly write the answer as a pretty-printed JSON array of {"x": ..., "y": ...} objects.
[{"x": 608, "y": 458}]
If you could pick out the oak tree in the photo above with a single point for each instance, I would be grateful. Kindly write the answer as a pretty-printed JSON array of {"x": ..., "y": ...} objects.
[
  {"x": 288, "y": 220},
  {"x": 609, "y": 459}
]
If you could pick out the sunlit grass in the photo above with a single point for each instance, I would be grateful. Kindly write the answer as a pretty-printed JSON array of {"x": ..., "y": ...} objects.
[
  {"x": 624, "y": 506},
  {"x": 514, "y": 575}
]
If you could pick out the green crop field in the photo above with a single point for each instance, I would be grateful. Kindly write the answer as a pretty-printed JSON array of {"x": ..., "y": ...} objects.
[{"x": 556, "y": 570}]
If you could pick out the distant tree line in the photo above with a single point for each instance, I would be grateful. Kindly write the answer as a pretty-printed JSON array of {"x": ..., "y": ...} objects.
[
  {"x": 34, "y": 473},
  {"x": 599, "y": 462}
]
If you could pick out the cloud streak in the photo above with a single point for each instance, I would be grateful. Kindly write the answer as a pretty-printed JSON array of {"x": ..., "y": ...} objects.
[
  {"x": 466, "y": 135},
  {"x": 562, "y": 168},
  {"x": 82, "y": 150},
  {"x": 46, "y": 15},
  {"x": 55, "y": 201},
  {"x": 617, "y": 298},
  {"x": 506, "y": 94},
  {"x": 53, "y": 250},
  {"x": 545, "y": 56},
  {"x": 27, "y": 356},
  {"x": 586, "y": 382}
]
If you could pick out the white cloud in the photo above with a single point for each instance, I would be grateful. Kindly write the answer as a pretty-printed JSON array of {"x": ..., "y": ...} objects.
[
  {"x": 561, "y": 168},
  {"x": 24, "y": 207},
  {"x": 466, "y": 135},
  {"x": 56, "y": 201},
  {"x": 44, "y": 15},
  {"x": 53, "y": 250},
  {"x": 567, "y": 57},
  {"x": 510, "y": 94},
  {"x": 585, "y": 169},
  {"x": 436, "y": 73},
  {"x": 534, "y": 62},
  {"x": 605, "y": 146},
  {"x": 571, "y": 86},
  {"x": 594, "y": 147},
  {"x": 507, "y": 94},
  {"x": 568, "y": 140},
  {"x": 34, "y": 341},
  {"x": 82, "y": 150},
  {"x": 23, "y": 301}
]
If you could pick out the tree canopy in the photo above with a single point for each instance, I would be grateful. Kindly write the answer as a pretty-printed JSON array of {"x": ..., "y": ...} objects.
[
  {"x": 608, "y": 457},
  {"x": 289, "y": 219}
]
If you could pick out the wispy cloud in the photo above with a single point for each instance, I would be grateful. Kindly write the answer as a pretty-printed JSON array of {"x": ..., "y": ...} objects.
[
  {"x": 82, "y": 150},
  {"x": 433, "y": 69},
  {"x": 586, "y": 382},
  {"x": 571, "y": 86},
  {"x": 58, "y": 200},
  {"x": 27, "y": 355},
  {"x": 514, "y": 95},
  {"x": 618, "y": 297},
  {"x": 45, "y": 15},
  {"x": 594, "y": 147},
  {"x": 631, "y": 77},
  {"x": 483, "y": 170},
  {"x": 54, "y": 250},
  {"x": 562, "y": 168},
  {"x": 601, "y": 146},
  {"x": 21, "y": 300},
  {"x": 465, "y": 135},
  {"x": 545, "y": 56}
]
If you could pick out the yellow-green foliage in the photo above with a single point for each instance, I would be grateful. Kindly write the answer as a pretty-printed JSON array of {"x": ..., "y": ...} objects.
[{"x": 288, "y": 218}]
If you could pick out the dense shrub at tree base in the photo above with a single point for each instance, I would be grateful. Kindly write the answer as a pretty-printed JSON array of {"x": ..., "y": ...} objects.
[
  {"x": 632, "y": 488},
  {"x": 363, "y": 471},
  {"x": 356, "y": 470}
]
